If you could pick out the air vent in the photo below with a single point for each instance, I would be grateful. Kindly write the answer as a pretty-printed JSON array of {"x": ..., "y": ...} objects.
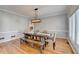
[
  {"x": 12, "y": 36},
  {"x": 67, "y": 42}
]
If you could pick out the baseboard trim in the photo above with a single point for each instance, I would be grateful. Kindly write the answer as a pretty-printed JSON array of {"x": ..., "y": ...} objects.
[
  {"x": 69, "y": 41},
  {"x": 73, "y": 48},
  {"x": 9, "y": 39}
]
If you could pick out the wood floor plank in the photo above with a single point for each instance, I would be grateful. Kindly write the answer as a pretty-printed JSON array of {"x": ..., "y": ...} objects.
[{"x": 14, "y": 47}]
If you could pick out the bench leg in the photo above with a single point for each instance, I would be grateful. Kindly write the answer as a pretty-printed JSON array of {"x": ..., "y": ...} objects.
[
  {"x": 32, "y": 45},
  {"x": 41, "y": 49}
]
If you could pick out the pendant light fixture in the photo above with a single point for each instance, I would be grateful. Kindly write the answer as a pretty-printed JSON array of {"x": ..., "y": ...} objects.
[{"x": 36, "y": 19}]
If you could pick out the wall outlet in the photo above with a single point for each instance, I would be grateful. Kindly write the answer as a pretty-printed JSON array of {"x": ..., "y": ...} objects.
[{"x": 2, "y": 38}]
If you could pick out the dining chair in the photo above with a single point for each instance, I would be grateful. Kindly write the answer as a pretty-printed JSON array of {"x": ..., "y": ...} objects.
[{"x": 54, "y": 41}]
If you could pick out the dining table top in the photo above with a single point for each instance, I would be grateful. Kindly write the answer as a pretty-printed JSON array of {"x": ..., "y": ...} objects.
[{"x": 39, "y": 34}]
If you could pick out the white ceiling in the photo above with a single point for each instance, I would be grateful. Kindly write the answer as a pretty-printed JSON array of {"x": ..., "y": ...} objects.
[{"x": 28, "y": 10}]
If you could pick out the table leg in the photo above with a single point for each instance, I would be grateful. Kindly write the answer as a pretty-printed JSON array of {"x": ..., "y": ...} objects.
[
  {"x": 54, "y": 45},
  {"x": 21, "y": 41}
]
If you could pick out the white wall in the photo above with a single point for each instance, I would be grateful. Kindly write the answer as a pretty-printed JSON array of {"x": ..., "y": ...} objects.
[
  {"x": 57, "y": 24},
  {"x": 11, "y": 24}
]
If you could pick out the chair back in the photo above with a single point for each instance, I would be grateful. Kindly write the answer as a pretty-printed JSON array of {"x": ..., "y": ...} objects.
[
  {"x": 45, "y": 31},
  {"x": 54, "y": 37}
]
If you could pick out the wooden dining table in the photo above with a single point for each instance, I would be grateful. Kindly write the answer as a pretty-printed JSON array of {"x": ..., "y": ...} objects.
[{"x": 33, "y": 38}]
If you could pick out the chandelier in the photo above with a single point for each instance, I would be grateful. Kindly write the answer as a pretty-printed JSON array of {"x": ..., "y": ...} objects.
[{"x": 36, "y": 19}]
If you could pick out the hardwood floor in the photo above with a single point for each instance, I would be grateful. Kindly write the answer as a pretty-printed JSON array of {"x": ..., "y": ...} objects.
[{"x": 14, "y": 47}]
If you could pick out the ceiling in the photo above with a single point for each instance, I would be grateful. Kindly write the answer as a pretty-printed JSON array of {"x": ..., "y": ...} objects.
[{"x": 28, "y": 10}]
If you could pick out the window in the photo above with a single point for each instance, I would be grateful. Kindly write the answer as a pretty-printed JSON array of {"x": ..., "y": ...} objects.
[
  {"x": 72, "y": 27},
  {"x": 74, "y": 30},
  {"x": 77, "y": 27}
]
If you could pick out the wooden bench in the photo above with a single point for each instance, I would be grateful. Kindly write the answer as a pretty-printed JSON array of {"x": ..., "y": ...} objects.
[{"x": 41, "y": 44}]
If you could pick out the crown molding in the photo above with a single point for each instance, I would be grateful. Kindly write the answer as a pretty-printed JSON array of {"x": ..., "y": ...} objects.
[
  {"x": 40, "y": 16},
  {"x": 53, "y": 14},
  {"x": 11, "y": 12}
]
